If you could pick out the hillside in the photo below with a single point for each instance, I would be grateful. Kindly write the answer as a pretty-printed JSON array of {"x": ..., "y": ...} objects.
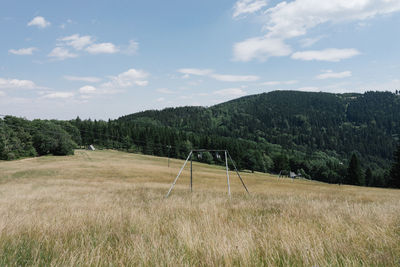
[
  {"x": 108, "y": 208},
  {"x": 337, "y": 124},
  {"x": 368, "y": 123}
]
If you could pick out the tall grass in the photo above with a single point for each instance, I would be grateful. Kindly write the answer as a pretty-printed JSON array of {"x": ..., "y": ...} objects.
[{"x": 108, "y": 208}]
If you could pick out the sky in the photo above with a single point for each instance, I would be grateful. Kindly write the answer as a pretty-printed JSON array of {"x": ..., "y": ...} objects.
[{"x": 105, "y": 59}]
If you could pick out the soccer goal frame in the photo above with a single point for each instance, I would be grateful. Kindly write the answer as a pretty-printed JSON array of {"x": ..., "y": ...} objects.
[{"x": 190, "y": 156}]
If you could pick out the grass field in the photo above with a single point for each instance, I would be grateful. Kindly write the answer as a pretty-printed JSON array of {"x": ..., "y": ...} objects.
[{"x": 103, "y": 208}]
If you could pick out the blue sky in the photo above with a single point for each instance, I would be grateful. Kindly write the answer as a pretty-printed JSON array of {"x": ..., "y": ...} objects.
[{"x": 105, "y": 59}]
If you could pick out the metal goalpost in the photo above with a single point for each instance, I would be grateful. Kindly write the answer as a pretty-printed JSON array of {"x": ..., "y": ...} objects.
[{"x": 190, "y": 157}]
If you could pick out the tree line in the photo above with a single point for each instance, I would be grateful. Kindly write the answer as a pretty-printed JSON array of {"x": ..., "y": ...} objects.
[{"x": 23, "y": 138}]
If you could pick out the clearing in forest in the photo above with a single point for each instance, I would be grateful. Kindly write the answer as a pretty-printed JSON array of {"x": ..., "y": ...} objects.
[{"x": 108, "y": 208}]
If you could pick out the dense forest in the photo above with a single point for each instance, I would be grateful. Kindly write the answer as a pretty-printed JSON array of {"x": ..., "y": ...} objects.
[{"x": 335, "y": 138}]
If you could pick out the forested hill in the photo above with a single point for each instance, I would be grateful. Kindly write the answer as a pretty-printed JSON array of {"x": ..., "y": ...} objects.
[
  {"x": 336, "y": 138},
  {"x": 367, "y": 123}
]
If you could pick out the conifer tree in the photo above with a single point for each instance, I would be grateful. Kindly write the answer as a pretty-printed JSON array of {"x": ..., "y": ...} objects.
[
  {"x": 368, "y": 177},
  {"x": 395, "y": 170},
  {"x": 354, "y": 173}
]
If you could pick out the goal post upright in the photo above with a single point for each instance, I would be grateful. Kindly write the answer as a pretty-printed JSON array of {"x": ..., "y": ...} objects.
[
  {"x": 191, "y": 171},
  {"x": 184, "y": 164},
  {"x": 227, "y": 173},
  {"x": 238, "y": 173}
]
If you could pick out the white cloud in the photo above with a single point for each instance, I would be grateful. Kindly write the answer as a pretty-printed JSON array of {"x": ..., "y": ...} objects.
[
  {"x": 131, "y": 75},
  {"x": 128, "y": 78},
  {"x": 165, "y": 91},
  {"x": 102, "y": 48},
  {"x": 87, "y": 43},
  {"x": 87, "y": 89},
  {"x": 17, "y": 84},
  {"x": 260, "y": 48},
  {"x": 61, "y": 53},
  {"x": 82, "y": 79},
  {"x": 85, "y": 97},
  {"x": 279, "y": 83},
  {"x": 115, "y": 84},
  {"x": 23, "y": 51},
  {"x": 2, "y": 93},
  {"x": 219, "y": 77},
  {"x": 335, "y": 75},
  {"x": 142, "y": 83},
  {"x": 293, "y": 19},
  {"x": 235, "y": 78},
  {"x": 248, "y": 7},
  {"x": 199, "y": 72},
  {"x": 309, "y": 89},
  {"x": 62, "y": 95},
  {"x": 330, "y": 54},
  {"x": 235, "y": 92},
  {"x": 307, "y": 42},
  {"x": 39, "y": 22},
  {"x": 132, "y": 48},
  {"x": 76, "y": 41},
  {"x": 160, "y": 99}
]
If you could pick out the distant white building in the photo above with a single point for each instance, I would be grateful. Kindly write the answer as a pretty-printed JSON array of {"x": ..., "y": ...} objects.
[{"x": 290, "y": 174}]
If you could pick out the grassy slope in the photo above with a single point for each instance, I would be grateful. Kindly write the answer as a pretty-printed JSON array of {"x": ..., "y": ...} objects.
[{"x": 107, "y": 208}]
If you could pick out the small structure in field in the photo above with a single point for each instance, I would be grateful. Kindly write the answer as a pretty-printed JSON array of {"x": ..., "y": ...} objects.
[
  {"x": 289, "y": 174},
  {"x": 91, "y": 147}
]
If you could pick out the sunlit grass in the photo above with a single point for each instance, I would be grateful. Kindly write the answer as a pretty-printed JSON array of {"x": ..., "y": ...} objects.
[{"x": 108, "y": 208}]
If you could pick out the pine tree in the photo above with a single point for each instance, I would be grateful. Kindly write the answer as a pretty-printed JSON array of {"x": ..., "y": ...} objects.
[
  {"x": 354, "y": 173},
  {"x": 368, "y": 177},
  {"x": 394, "y": 180}
]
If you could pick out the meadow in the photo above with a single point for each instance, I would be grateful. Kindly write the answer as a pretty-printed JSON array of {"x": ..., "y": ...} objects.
[{"x": 107, "y": 208}]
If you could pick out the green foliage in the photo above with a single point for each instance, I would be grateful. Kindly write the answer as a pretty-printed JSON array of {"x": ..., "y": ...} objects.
[
  {"x": 22, "y": 138},
  {"x": 354, "y": 173},
  {"x": 50, "y": 138},
  {"x": 281, "y": 163},
  {"x": 268, "y": 163},
  {"x": 394, "y": 180},
  {"x": 15, "y": 140},
  {"x": 369, "y": 179},
  {"x": 73, "y": 131},
  {"x": 206, "y": 157}
]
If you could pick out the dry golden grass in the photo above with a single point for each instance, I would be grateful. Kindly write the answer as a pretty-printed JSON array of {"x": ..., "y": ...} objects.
[{"x": 108, "y": 208}]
